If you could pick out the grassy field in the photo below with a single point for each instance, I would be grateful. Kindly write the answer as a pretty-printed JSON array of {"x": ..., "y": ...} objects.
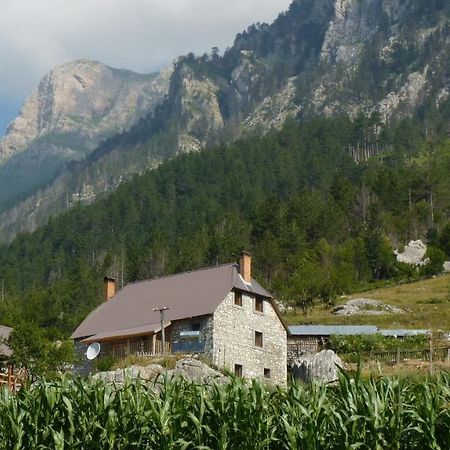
[{"x": 426, "y": 304}]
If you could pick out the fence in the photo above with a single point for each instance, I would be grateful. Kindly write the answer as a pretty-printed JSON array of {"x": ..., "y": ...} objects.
[
  {"x": 297, "y": 349},
  {"x": 400, "y": 356},
  {"x": 10, "y": 380}
]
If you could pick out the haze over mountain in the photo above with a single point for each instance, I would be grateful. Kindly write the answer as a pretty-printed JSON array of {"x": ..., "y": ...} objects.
[
  {"x": 325, "y": 57},
  {"x": 143, "y": 36}
]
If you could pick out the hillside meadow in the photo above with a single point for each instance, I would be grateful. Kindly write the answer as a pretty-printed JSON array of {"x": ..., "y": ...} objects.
[{"x": 426, "y": 304}]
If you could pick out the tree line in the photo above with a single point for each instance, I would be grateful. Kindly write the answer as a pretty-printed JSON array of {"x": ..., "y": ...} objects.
[{"x": 318, "y": 221}]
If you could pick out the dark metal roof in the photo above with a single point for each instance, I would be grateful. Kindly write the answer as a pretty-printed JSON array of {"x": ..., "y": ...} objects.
[
  {"x": 329, "y": 330},
  {"x": 135, "y": 331},
  {"x": 4, "y": 334},
  {"x": 188, "y": 294}
]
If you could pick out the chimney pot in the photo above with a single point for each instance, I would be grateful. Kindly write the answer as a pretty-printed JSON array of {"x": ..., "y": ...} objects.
[
  {"x": 110, "y": 287},
  {"x": 245, "y": 267}
]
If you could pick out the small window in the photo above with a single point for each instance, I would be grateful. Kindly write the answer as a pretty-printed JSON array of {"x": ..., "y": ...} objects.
[
  {"x": 258, "y": 339},
  {"x": 266, "y": 373},
  {"x": 238, "y": 298},
  {"x": 259, "y": 304},
  {"x": 195, "y": 326},
  {"x": 238, "y": 370}
]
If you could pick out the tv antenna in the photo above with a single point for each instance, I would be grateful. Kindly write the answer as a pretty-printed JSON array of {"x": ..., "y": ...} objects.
[{"x": 163, "y": 331}]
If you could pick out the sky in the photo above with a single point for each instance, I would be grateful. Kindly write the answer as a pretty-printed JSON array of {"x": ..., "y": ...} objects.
[{"x": 140, "y": 35}]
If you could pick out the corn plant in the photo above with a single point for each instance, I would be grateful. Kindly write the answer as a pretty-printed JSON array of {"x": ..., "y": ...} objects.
[{"x": 175, "y": 414}]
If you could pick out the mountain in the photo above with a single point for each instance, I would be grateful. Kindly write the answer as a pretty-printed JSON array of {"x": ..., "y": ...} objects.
[
  {"x": 388, "y": 59},
  {"x": 75, "y": 107}
]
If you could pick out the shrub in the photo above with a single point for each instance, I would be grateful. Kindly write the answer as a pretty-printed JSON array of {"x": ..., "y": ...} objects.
[{"x": 105, "y": 363}]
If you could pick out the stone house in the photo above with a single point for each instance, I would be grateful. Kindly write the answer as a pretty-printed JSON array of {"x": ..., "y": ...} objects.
[{"x": 220, "y": 312}]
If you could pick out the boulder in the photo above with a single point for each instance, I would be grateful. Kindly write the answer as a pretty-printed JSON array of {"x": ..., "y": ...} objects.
[
  {"x": 194, "y": 370},
  {"x": 413, "y": 254},
  {"x": 322, "y": 367},
  {"x": 446, "y": 267}
]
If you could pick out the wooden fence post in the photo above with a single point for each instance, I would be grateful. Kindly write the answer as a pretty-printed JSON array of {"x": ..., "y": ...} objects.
[
  {"x": 398, "y": 355},
  {"x": 431, "y": 351},
  {"x": 10, "y": 379}
]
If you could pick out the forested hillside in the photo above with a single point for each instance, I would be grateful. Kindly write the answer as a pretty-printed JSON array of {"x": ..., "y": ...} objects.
[
  {"x": 318, "y": 58},
  {"x": 321, "y": 206}
]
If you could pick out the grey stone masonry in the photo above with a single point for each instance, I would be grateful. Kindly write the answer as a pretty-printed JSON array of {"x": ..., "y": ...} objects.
[
  {"x": 237, "y": 341},
  {"x": 82, "y": 367},
  {"x": 204, "y": 324}
]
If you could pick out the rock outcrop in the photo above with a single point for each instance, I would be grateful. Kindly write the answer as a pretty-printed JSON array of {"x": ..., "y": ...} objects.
[
  {"x": 321, "y": 367},
  {"x": 365, "y": 307},
  {"x": 413, "y": 254},
  {"x": 85, "y": 99},
  {"x": 75, "y": 107},
  {"x": 190, "y": 369}
]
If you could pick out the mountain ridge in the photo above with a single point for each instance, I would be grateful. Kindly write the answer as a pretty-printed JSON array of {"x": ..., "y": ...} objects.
[
  {"x": 321, "y": 57},
  {"x": 73, "y": 109}
]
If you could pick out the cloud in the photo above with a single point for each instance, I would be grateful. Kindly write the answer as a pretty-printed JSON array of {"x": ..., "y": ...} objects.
[{"x": 141, "y": 35}]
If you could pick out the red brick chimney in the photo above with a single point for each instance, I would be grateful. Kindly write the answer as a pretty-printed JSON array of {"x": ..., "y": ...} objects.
[
  {"x": 110, "y": 287},
  {"x": 245, "y": 267}
]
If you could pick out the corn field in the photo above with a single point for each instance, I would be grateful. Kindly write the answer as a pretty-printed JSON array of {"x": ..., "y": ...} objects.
[{"x": 353, "y": 414}]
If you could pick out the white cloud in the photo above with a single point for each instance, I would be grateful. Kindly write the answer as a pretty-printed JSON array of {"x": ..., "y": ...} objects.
[{"x": 141, "y": 35}]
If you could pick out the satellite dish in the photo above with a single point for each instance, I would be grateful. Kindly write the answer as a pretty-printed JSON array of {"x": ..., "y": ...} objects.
[{"x": 93, "y": 351}]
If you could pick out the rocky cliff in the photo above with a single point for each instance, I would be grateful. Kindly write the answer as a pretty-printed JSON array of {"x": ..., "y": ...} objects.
[
  {"x": 327, "y": 57},
  {"x": 75, "y": 107}
]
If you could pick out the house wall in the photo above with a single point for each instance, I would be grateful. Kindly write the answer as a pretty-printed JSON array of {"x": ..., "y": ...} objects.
[
  {"x": 234, "y": 339},
  {"x": 206, "y": 330},
  {"x": 82, "y": 366}
]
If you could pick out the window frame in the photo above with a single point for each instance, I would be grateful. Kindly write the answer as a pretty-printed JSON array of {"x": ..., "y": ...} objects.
[
  {"x": 259, "y": 300},
  {"x": 238, "y": 295},
  {"x": 258, "y": 335}
]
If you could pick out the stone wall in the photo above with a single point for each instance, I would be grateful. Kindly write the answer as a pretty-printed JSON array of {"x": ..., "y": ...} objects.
[
  {"x": 82, "y": 367},
  {"x": 234, "y": 339},
  {"x": 205, "y": 325},
  {"x": 301, "y": 346}
]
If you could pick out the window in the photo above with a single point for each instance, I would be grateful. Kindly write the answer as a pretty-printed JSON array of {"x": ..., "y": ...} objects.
[
  {"x": 266, "y": 373},
  {"x": 258, "y": 339},
  {"x": 195, "y": 326},
  {"x": 238, "y": 370},
  {"x": 259, "y": 304},
  {"x": 238, "y": 298}
]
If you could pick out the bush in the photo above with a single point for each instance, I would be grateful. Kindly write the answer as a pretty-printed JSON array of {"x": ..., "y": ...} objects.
[
  {"x": 105, "y": 363},
  {"x": 375, "y": 343},
  {"x": 437, "y": 259}
]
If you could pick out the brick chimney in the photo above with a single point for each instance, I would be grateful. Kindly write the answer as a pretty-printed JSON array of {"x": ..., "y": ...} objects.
[
  {"x": 110, "y": 287},
  {"x": 245, "y": 267}
]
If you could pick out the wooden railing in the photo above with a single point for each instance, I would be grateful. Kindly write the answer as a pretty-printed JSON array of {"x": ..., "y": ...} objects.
[
  {"x": 9, "y": 380},
  {"x": 142, "y": 348}
]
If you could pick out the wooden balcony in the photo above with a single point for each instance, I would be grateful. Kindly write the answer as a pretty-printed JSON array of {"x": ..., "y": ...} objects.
[{"x": 144, "y": 347}]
